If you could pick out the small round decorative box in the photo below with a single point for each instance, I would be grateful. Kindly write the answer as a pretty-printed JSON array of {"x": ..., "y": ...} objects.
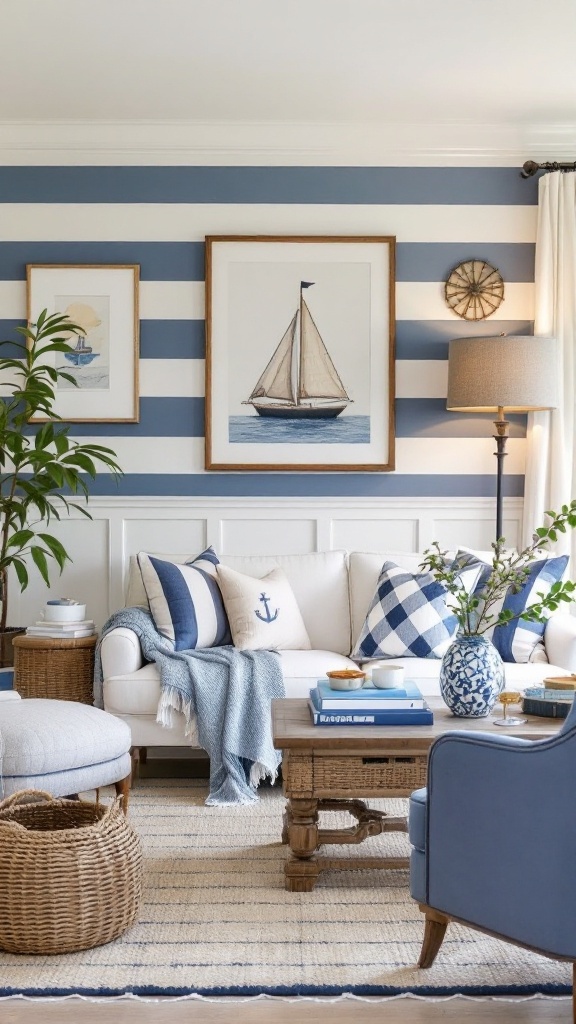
[{"x": 346, "y": 679}]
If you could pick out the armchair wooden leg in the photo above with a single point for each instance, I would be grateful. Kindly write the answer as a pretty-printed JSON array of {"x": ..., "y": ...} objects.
[
  {"x": 138, "y": 756},
  {"x": 434, "y": 932}
]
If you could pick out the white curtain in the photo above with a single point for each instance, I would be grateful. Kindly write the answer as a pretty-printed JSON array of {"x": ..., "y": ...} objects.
[{"x": 551, "y": 464}]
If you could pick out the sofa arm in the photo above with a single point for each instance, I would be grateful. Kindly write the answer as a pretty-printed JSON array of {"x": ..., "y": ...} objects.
[
  {"x": 120, "y": 652},
  {"x": 560, "y": 641}
]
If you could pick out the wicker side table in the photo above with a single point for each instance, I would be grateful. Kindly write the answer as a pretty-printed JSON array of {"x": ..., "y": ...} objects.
[{"x": 53, "y": 668}]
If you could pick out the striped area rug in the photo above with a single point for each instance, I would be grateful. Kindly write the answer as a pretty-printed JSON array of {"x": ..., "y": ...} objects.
[{"x": 216, "y": 920}]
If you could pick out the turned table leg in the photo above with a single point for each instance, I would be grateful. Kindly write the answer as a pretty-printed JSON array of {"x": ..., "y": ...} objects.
[
  {"x": 301, "y": 869},
  {"x": 286, "y": 821}
]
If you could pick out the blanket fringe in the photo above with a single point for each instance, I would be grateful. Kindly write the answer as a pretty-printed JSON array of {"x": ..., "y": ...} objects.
[
  {"x": 171, "y": 701},
  {"x": 259, "y": 773}
]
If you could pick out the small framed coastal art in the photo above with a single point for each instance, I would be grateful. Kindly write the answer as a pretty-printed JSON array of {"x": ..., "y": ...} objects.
[
  {"x": 103, "y": 300},
  {"x": 300, "y": 353}
]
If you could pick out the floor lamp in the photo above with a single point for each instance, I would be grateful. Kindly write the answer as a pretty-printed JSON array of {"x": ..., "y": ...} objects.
[{"x": 512, "y": 373}]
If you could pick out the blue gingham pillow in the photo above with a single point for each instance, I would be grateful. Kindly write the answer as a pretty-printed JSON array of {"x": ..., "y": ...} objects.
[
  {"x": 521, "y": 641},
  {"x": 185, "y": 600},
  {"x": 409, "y": 616}
]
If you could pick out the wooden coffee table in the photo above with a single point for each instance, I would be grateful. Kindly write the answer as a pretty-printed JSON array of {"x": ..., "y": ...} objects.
[{"x": 329, "y": 768}]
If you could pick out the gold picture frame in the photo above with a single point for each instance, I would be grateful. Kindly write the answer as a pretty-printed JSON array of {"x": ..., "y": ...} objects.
[
  {"x": 299, "y": 380},
  {"x": 103, "y": 299}
]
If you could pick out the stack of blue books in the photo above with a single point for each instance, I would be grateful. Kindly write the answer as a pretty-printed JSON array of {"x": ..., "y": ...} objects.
[
  {"x": 369, "y": 706},
  {"x": 547, "y": 702}
]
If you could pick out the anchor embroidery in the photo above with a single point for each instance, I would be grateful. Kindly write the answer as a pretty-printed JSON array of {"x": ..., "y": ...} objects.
[{"x": 267, "y": 617}]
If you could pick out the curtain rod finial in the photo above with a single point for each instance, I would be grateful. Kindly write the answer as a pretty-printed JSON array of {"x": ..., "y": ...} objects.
[{"x": 529, "y": 169}]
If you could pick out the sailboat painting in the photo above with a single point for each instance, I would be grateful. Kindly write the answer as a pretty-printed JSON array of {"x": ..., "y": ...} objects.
[
  {"x": 100, "y": 365},
  {"x": 298, "y": 373}
]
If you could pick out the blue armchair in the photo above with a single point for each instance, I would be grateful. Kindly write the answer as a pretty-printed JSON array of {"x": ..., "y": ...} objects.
[{"x": 494, "y": 840}]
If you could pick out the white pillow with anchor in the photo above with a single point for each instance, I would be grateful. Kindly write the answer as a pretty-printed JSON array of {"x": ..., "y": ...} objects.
[{"x": 263, "y": 613}]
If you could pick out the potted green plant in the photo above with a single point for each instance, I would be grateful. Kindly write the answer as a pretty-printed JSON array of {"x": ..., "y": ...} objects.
[
  {"x": 472, "y": 673},
  {"x": 40, "y": 467}
]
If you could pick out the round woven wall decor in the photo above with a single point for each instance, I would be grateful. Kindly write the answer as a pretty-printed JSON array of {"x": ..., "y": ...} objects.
[{"x": 474, "y": 290}]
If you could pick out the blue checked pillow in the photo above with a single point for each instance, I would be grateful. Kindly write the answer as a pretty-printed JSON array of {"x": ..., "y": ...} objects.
[
  {"x": 410, "y": 616},
  {"x": 185, "y": 600},
  {"x": 520, "y": 641}
]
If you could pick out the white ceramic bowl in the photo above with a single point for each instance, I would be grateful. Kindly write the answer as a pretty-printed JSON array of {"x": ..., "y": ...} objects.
[{"x": 64, "y": 612}]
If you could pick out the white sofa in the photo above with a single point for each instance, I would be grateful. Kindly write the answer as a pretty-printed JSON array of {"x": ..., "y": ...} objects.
[{"x": 334, "y": 590}]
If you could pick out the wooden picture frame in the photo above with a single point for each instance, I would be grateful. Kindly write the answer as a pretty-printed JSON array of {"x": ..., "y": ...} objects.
[
  {"x": 300, "y": 353},
  {"x": 103, "y": 299}
]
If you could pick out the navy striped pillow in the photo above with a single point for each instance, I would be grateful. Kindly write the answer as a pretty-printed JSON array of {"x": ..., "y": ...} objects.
[{"x": 185, "y": 600}]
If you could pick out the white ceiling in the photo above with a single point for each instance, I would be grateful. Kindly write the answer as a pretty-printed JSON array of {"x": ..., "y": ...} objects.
[{"x": 504, "y": 63}]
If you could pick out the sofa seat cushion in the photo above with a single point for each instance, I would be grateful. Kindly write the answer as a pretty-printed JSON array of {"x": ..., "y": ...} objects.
[
  {"x": 302, "y": 669},
  {"x": 138, "y": 693}
]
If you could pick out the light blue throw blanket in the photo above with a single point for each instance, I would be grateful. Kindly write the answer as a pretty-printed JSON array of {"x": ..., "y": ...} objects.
[{"x": 228, "y": 690}]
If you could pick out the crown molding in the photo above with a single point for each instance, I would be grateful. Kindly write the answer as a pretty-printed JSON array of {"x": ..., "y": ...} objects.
[{"x": 356, "y": 144}]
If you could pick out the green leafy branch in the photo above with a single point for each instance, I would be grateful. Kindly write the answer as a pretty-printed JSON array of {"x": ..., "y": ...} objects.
[{"x": 509, "y": 572}]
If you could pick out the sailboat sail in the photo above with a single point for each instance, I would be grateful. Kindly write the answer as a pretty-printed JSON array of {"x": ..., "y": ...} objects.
[
  {"x": 300, "y": 381},
  {"x": 276, "y": 380},
  {"x": 318, "y": 376}
]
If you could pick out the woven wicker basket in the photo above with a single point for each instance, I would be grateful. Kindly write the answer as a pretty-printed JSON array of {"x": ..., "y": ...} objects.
[
  {"x": 70, "y": 873},
  {"x": 54, "y": 669}
]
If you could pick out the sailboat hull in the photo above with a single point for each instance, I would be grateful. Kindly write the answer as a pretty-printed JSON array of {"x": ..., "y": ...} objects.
[{"x": 300, "y": 412}]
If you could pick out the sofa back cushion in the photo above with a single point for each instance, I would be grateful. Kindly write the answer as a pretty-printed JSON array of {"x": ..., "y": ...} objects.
[{"x": 319, "y": 581}]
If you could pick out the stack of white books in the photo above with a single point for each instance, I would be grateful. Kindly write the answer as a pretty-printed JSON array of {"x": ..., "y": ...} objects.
[{"x": 62, "y": 630}]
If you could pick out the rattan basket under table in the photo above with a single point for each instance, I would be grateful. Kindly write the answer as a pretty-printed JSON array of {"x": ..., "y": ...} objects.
[
  {"x": 53, "y": 668},
  {"x": 328, "y": 768},
  {"x": 70, "y": 873}
]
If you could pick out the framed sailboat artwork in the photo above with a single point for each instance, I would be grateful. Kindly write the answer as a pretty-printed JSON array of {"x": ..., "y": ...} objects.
[
  {"x": 102, "y": 300},
  {"x": 300, "y": 353}
]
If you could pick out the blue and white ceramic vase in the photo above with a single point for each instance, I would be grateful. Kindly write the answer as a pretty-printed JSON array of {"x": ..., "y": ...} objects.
[{"x": 471, "y": 676}]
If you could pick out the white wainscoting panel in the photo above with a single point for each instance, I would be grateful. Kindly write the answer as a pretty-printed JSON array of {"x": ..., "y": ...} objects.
[
  {"x": 371, "y": 534},
  {"x": 266, "y": 536},
  {"x": 101, "y": 547},
  {"x": 480, "y": 533},
  {"x": 152, "y": 534}
]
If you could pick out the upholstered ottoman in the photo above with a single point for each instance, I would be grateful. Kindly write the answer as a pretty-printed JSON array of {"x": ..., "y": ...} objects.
[{"x": 61, "y": 746}]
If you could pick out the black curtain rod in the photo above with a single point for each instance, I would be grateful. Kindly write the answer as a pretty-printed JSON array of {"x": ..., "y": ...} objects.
[{"x": 530, "y": 168}]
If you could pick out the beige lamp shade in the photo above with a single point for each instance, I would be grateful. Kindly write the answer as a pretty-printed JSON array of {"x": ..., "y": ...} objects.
[{"x": 517, "y": 373}]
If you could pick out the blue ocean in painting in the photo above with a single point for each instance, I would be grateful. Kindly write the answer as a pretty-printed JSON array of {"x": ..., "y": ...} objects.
[{"x": 268, "y": 430}]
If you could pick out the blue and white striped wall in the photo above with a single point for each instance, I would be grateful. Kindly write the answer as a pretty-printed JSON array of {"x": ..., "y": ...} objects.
[{"x": 158, "y": 217}]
